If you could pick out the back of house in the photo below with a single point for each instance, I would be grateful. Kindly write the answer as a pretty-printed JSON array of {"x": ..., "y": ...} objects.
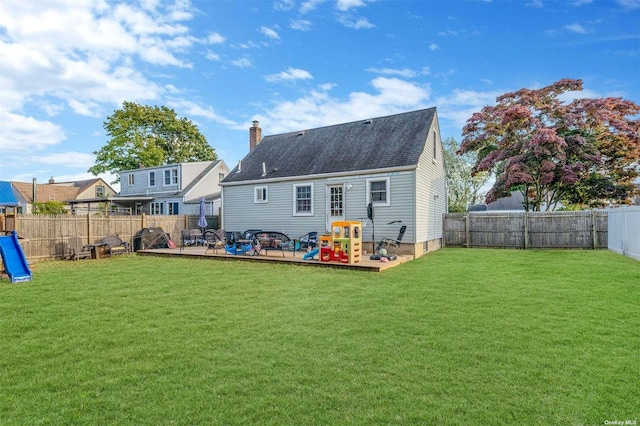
[{"x": 303, "y": 181}]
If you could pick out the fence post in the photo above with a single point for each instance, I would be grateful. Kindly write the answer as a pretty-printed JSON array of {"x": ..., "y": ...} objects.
[
  {"x": 444, "y": 231},
  {"x": 526, "y": 230},
  {"x": 466, "y": 231},
  {"x": 89, "y": 230},
  {"x": 594, "y": 229}
]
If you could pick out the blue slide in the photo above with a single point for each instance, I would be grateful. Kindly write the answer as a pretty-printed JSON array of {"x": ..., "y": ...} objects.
[
  {"x": 13, "y": 259},
  {"x": 311, "y": 254}
]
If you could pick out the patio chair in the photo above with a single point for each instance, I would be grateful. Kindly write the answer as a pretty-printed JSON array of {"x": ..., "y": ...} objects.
[
  {"x": 214, "y": 240},
  {"x": 308, "y": 240},
  {"x": 115, "y": 245},
  {"x": 196, "y": 236},
  {"x": 392, "y": 245},
  {"x": 78, "y": 250},
  {"x": 186, "y": 238}
]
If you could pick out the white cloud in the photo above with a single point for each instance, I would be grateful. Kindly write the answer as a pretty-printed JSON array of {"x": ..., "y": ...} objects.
[
  {"x": 318, "y": 108},
  {"x": 193, "y": 109},
  {"x": 356, "y": 23},
  {"x": 576, "y": 28},
  {"x": 66, "y": 159},
  {"x": 345, "y": 5},
  {"x": 241, "y": 63},
  {"x": 284, "y": 5},
  {"x": 23, "y": 134},
  {"x": 629, "y": 4},
  {"x": 84, "y": 55},
  {"x": 212, "y": 56},
  {"x": 310, "y": 5},
  {"x": 300, "y": 24},
  {"x": 269, "y": 33},
  {"x": 289, "y": 75},
  {"x": 215, "y": 38},
  {"x": 433, "y": 47},
  {"x": 405, "y": 72}
]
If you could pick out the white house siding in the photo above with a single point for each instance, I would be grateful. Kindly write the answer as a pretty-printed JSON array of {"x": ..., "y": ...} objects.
[
  {"x": 431, "y": 202},
  {"x": 209, "y": 184},
  {"x": 241, "y": 213},
  {"x": 190, "y": 171}
]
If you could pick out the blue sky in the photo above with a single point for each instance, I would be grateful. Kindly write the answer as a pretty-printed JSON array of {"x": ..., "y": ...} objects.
[{"x": 293, "y": 65}]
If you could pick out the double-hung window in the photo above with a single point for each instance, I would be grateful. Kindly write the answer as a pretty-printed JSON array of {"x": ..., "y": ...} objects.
[
  {"x": 100, "y": 191},
  {"x": 260, "y": 194},
  {"x": 378, "y": 191},
  {"x": 303, "y": 200},
  {"x": 152, "y": 179},
  {"x": 171, "y": 177}
]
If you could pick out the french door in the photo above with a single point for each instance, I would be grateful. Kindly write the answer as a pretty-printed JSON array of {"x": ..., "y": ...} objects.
[{"x": 335, "y": 204}]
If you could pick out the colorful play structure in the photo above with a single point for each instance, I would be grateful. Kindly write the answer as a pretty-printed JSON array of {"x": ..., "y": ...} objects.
[
  {"x": 344, "y": 244},
  {"x": 13, "y": 259}
]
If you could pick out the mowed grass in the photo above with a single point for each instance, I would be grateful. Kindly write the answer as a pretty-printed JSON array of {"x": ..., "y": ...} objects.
[{"x": 459, "y": 336}]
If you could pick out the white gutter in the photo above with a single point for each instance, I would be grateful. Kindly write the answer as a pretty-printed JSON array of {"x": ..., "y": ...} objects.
[{"x": 323, "y": 176}]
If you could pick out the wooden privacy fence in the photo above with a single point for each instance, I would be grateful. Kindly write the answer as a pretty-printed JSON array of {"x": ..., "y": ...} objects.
[
  {"x": 47, "y": 237},
  {"x": 524, "y": 230}
]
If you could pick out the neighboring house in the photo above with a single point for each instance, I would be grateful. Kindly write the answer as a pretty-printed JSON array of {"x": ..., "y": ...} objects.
[
  {"x": 80, "y": 196},
  {"x": 302, "y": 181},
  {"x": 172, "y": 189}
]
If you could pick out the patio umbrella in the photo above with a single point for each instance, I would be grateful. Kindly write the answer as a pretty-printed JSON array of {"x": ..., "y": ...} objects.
[{"x": 202, "y": 220}]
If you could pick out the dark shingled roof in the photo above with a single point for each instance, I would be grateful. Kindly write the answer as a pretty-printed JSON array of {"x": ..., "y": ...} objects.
[{"x": 380, "y": 143}]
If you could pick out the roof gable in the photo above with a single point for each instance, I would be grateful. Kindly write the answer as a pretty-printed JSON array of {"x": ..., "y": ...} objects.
[{"x": 380, "y": 143}]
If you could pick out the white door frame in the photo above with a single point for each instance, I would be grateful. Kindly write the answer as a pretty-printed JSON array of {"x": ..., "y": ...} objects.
[{"x": 334, "y": 210}]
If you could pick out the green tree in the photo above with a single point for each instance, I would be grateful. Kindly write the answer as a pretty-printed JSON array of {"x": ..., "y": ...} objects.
[
  {"x": 464, "y": 187},
  {"x": 149, "y": 136},
  {"x": 49, "y": 207}
]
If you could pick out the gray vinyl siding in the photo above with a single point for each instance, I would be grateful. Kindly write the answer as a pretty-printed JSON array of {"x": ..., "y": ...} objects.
[
  {"x": 430, "y": 182},
  {"x": 241, "y": 213}
]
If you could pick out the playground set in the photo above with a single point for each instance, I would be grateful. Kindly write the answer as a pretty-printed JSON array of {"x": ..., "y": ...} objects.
[{"x": 344, "y": 244}]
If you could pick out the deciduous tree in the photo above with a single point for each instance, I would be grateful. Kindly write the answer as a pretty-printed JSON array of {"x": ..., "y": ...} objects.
[
  {"x": 465, "y": 188},
  {"x": 149, "y": 136},
  {"x": 552, "y": 151}
]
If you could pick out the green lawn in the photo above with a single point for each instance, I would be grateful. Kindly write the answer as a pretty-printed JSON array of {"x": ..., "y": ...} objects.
[{"x": 458, "y": 336}]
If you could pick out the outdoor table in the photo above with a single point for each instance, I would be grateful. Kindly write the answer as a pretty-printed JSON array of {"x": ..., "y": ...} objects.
[{"x": 97, "y": 250}]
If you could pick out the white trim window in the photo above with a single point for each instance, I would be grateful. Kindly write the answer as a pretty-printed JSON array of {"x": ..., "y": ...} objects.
[
  {"x": 157, "y": 208},
  {"x": 131, "y": 179},
  {"x": 152, "y": 179},
  {"x": 260, "y": 194},
  {"x": 100, "y": 191},
  {"x": 378, "y": 191},
  {"x": 170, "y": 177},
  {"x": 303, "y": 199}
]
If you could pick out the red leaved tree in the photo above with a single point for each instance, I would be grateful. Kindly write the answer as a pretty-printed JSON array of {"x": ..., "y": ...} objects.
[{"x": 580, "y": 152}]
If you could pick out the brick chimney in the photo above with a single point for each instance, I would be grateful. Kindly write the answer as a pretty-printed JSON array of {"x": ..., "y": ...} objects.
[{"x": 255, "y": 134}]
